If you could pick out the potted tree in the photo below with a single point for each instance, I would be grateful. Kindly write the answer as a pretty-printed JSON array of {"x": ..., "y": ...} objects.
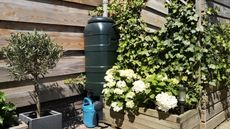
[
  {"x": 8, "y": 118},
  {"x": 30, "y": 56}
]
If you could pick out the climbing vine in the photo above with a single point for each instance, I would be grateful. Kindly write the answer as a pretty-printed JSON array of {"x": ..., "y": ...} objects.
[{"x": 196, "y": 56}]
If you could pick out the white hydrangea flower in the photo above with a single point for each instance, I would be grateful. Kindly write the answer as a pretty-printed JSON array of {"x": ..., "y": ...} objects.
[
  {"x": 138, "y": 86},
  {"x": 165, "y": 101},
  {"x": 109, "y": 78},
  {"x": 123, "y": 73},
  {"x": 130, "y": 95},
  {"x": 113, "y": 104},
  {"x": 105, "y": 91},
  {"x": 116, "y": 107},
  {"x": 121, "y": 84},
  {"x": 129, "y": 73},
  {"x": 118, "y": 91},
  {"x": 105, "y": 85},
  {"x": 129, "y": 104},
  {"x": 110, "y": 84},
  {"x": 109, "y": 72}
]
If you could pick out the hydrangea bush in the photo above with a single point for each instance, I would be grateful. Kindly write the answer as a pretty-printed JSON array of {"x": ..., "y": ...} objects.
[{"x": 124, "y": 89}]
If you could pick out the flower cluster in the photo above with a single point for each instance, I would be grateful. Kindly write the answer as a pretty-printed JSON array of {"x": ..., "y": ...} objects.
[
  {"x": 165, "y": 101},
  {"x": 123, "y": 88},
  {"x": 138, "y": 86}
]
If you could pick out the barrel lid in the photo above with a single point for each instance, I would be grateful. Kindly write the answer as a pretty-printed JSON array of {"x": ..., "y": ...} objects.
[{"x": 100, "y": 19}]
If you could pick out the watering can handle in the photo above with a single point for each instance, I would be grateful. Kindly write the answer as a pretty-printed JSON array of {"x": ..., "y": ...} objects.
[{"x": 86, "y": 99}]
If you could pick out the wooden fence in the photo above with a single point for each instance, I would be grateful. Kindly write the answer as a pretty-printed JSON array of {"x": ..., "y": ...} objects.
[
  {"x": 64, "y": 21},
  {"x": 224, "y": 10}
]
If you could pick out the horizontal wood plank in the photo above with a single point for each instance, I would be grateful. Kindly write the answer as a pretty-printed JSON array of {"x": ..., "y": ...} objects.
[
  {"x": 212, "y": 89},
  {"x": 215, "y": 109},
  {"x": 224, "y": 9},
  {"x": 159, "y": 114},
  {"x": 21, "y": 96},
  {"x": 68, "y": 40},
  {"x": 152, "y": 18},
  {"x": 149, "y": 120},
  {"x": 191, "y": 121},
  {"x": 157, "y": 5},
  {"x": 66, "y": 66},
  {"x": 140, "y": 120},
  {"x": 71, "y": 38},
  {"x": 217, "y": 96},
  {"x": 86, "y": 2},
  {"x": 223, "y": 2},
  {"x": 215, "y": 121},
  {"x": 222, "y": 19},
  {"x": 37, "y": 12}
]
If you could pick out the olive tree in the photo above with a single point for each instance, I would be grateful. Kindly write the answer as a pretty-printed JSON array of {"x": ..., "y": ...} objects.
[{"x": 29, "y": 56}]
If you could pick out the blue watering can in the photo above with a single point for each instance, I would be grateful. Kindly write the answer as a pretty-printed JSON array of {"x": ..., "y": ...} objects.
[{"x": 89, "y": 113}]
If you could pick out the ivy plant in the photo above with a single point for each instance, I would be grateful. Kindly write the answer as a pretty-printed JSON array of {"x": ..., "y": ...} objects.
[
  {"x": 216, "y": 62},
  {"x": 178, "y": 52},
  {"x": 196, "y": 56},
  {"x": 135, "y": 41}
]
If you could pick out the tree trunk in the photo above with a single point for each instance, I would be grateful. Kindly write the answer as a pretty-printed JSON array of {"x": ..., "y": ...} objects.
[{"x": 37, "y": 96}]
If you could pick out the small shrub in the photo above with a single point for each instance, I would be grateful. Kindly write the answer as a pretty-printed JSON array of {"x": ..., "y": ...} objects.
[
  {"x": 7, "y": 112},
  {"x": 79, "y": 81}
]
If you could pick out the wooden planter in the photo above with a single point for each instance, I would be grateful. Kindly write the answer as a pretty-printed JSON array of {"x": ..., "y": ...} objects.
[
  {"x": 152, "y": 119},
  {"x": 217, "y": 109}
]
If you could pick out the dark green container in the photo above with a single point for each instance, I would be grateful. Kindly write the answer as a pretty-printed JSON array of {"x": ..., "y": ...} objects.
[{"x": 100, "y": 52}]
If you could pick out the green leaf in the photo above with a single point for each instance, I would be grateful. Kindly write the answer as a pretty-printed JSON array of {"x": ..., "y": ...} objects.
[
  {"x": 152, "y": 96},
  {"x": 1, "y": 120},
  {"x": 212, "y": 66}
]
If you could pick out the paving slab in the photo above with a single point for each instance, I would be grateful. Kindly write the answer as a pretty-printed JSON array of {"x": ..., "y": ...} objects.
[
  {"x": 100, "y": 126},
  {"x": 224, "y": 125}
]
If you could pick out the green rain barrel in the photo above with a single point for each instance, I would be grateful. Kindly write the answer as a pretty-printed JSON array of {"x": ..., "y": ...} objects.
[{"x": 100, "y": 52}]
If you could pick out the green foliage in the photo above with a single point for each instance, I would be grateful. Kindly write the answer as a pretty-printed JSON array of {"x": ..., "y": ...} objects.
[
  {"x": 31, "y": 54},
  {"x": 179, "y": 52},
  {"x": 160, "y": 83},
  {"x": 7, "y": 112},
  {"x": 135, "y": 41},
  {"x": 79, "y": 80},
  {"x": 216, "y": 63},
  {"x": 196, "y": 56}
]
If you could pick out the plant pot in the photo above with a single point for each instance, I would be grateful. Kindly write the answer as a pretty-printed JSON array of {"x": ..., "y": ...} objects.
[
  {"x": 49, "y": 120},
  {"x": 152, "y": 119},
  {"x": 22, "y": 125}
]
